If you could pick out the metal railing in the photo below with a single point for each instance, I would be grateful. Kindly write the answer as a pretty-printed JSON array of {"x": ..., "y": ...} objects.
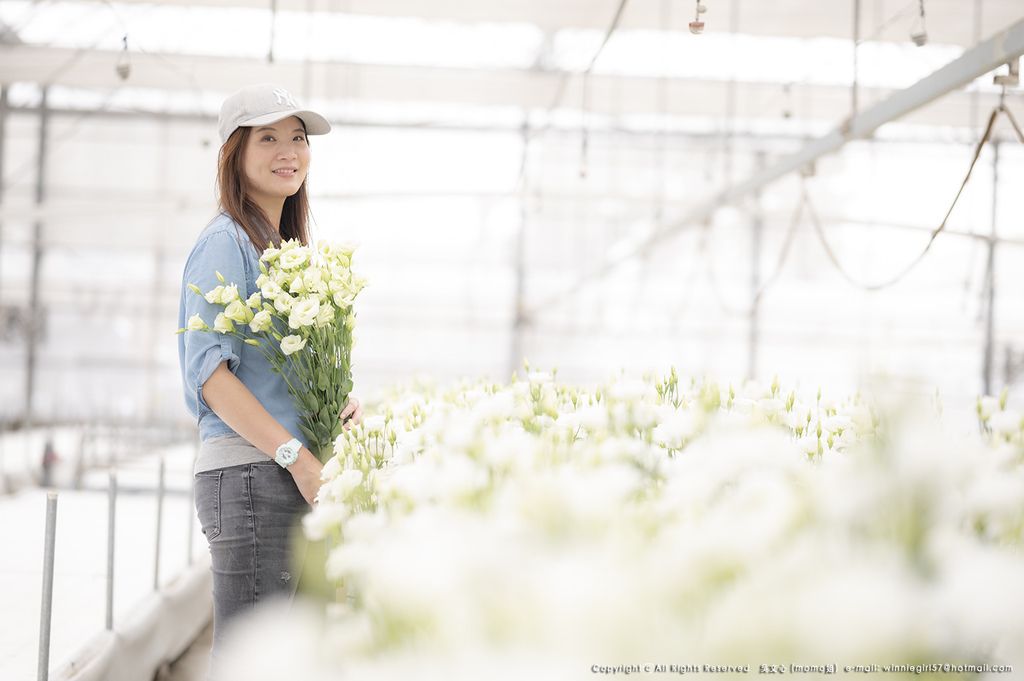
[{"x": 45, "y": 620}]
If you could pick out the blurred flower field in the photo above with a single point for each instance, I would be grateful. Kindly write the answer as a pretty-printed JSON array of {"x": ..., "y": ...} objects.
[{"x": 538, "y": 530}]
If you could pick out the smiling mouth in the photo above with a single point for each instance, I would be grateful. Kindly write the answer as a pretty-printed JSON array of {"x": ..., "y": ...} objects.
[{"x": 285, "y": 171}]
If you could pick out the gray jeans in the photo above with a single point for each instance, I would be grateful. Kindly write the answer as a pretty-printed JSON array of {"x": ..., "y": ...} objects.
[{"x": 249, "y": 514}]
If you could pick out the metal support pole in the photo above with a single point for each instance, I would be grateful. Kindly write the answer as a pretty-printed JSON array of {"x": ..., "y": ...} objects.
[
  {"x": 159, "y": 523},
  {"x": 43, "y": 669},
  {"x": 520, "y": 319},
  {"x": 3, "y": 138},
  {"x": 729, "y": 130},
  {"x": 757, "y": 229},
  {"x": 856, "y": 46},
  {"x": 112, "y": 503},
  {"x": 990, "y": 279},
  {"x": 35, "y": 316},
  {"x": 976, "y": 36},
  {"x": 273, "y": 21},
  {"x": 3, "y": 134}
]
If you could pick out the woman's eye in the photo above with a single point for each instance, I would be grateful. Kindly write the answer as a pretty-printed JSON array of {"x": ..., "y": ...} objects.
[
  {"x": 267, "y": 138},
  {"x": 300, "y": 138}
]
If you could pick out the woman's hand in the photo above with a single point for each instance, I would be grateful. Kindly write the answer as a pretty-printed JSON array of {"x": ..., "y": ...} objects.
[
  {"x": 353, "y": 412},
  {"x": 306, "y": 473}
]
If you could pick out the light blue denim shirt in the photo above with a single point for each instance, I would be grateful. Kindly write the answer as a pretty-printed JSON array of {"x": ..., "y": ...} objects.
[{"x": 224, "y": 247}]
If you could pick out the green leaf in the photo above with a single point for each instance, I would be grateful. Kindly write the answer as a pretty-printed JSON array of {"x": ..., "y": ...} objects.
[
  {"x": 308, "y": 433},
  {"x": 326, "y": 417}
]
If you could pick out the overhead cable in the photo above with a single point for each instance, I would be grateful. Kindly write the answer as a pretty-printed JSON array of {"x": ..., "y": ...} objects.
[
  {"x": 564, "y": 79},
  {"x": 885, "y": 284},
  {"x": 780, "y": 264}
]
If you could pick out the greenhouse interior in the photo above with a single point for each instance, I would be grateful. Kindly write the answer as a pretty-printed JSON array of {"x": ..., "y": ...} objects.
[{"x": 687, "y": 337}]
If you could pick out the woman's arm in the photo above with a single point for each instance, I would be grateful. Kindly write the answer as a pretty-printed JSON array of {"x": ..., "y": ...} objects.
[{"x": 242, "y": 412}]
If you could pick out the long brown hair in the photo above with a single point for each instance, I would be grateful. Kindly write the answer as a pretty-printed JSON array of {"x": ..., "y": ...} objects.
[{"x": 233, "y": 195}]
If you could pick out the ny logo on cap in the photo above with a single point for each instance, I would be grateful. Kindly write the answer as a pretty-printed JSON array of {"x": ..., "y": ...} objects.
[{"x": 284, "y": 98}]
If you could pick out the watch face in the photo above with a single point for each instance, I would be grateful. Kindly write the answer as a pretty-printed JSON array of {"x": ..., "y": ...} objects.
[{"x": 287, "y": 454}]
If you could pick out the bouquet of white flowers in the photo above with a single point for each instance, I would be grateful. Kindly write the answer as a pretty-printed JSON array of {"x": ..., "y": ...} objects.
[{"x": 301, "y": 319}]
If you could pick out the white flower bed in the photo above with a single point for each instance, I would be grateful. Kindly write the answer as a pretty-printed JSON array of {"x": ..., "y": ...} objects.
[{"x": 535, "y": 530}]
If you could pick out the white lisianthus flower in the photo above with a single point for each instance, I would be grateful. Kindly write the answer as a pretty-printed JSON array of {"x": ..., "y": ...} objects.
[
  {"x": 346, "y": 248},
  {"x": 350, "y": 479},
  {"x": 808, "y": 444},
  {"x": 324, "y": 519},
  {"x": 283, "y": 303},
  {"x": 794, "y": 419},
  {"x": 271, "y": 290},
  {"x": 771, "y": 406},
  {"x": 343, "y": 299},
  {"x": 989, "y": 406},
  {"x": 359, "y": 282},
  {"x": 196, "y": 323},
  {"x": 296, "y": 284},
  {"x": 292, "y": 258},
  {"x": 222, "y": 324},
  {"x": 213, "y": 296},
  {"x": 255, "y": 301},
  {"x": 313, "y": 279},
  {"x": 261, "y": 321},
  {"x": 594, "y": 417},
  {"x": 237, "y": 311},
  {"x": 374, "y": 424},
  {"x": 837, "y": 423},
  {"x": 292, "y": 343},
  {"x": 228, "y": 294},
  {"x": 677, "y": 429},
  {"x": 1006, "y": 422},
  {"x": 325, "y": 316},
  {"x": 304, "y": 312},
  {"x": 540, "y": 377},
  {"x": 341, "y": 486},
  {"x": 568, "y": 422},
  {"x": 331, "y": 469},
  {"x": 743, "y": 405}
]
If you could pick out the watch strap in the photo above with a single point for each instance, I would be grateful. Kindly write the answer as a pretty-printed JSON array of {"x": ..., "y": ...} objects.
[{"x": 288, "y": 453}]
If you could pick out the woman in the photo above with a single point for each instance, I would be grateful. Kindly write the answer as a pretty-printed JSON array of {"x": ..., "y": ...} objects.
[{"x": 254, "y": 474}]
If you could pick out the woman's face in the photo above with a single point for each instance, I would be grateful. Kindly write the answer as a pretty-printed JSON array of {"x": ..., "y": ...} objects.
[{"x": 276, "y": 161}]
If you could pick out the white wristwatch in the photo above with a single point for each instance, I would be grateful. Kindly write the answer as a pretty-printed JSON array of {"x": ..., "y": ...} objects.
[{"x": 288, "y": 453}]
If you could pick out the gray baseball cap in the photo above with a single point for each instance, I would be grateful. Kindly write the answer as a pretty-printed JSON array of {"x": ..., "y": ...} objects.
[{"x": 264, "y": 104}]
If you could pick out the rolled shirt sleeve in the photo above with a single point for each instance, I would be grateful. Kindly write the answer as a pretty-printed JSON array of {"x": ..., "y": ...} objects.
[
  {"x": 201, "y": 352},
  {"x": 224, "y": 247}
]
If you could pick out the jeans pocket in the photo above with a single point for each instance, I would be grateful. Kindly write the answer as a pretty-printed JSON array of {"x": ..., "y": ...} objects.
[{"x": 207, "y": 491}]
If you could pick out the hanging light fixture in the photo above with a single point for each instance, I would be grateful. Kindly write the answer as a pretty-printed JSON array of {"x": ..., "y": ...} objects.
[
  {"x": 124, "y": 64},
  {"x": 918, "y": 33},
  {"x": 697, "y": 26}
]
